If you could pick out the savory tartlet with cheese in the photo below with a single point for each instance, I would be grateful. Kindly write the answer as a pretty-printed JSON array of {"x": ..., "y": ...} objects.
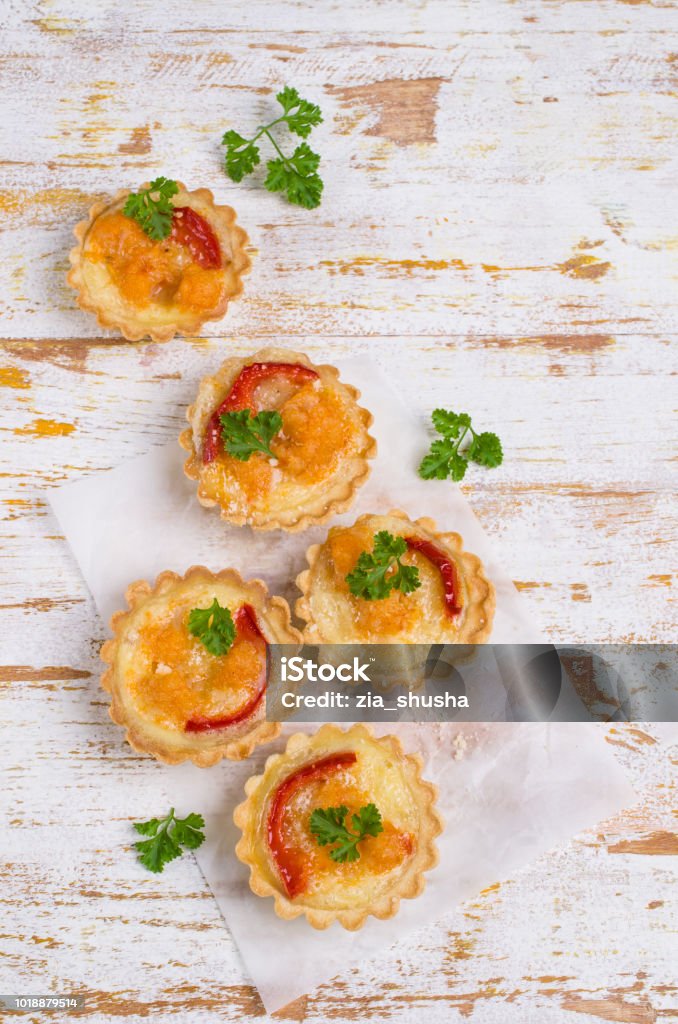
[
  {"x": 188, "y": 665},
  {"x": 170, "y": 269},
  {"x": 340, "y": 826},
  {"x": 388, "y": 579},
  {"x": 277, "y": 442}
]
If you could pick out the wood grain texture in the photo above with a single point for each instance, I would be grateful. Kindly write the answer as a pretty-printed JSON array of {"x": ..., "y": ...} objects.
[{"x": 496, "y": 232}]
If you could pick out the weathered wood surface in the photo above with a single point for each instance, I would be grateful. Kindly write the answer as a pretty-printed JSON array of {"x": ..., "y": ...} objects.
[{"x": 498, "y": 232}]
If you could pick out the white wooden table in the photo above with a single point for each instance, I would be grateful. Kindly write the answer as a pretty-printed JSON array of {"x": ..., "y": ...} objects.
[{"x": 499, "y": 231}]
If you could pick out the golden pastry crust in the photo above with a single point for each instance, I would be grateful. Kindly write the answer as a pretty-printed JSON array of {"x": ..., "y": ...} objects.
[
  {"x": 288, "y": 506},
  {"x": 121, "y": 654},
  {"x": 99, "y": 295},
  {"x": 333, "y": 615},
  {"x": 405, "y": 798}
]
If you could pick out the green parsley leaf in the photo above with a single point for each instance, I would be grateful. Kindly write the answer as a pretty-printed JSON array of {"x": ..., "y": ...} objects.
[
  {"x": 377, "y": 573},
  {"x": 305, "y": 162},
  {"x": 152, "y": 207},
  {"x": 450, "y": 423},
  {"x": 245, "y": 434},
  {"x": 213, "y": 627},
  {"x": 187, "y": 831},
  {"x": 442, "y": 461},
  {"x": 241, "y": 156},
  {"x": 148, "y": 828},
  {"x": 435, "y": 465},
  {"x": 295, "y": 175},
  {"x": 169, "y": 834},
  {"x": 276, "y": 179},
  {"x": 446, "y": 457},
  {"x": 486, "y": 450},
  {"x": 328, "y": 825},
  {"x": 300, "y": 115}
]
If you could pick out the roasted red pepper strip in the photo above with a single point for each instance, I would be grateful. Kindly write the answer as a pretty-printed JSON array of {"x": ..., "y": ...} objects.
[
  {"x": 193, "y": 231},
  {"x": 291, "y": 864},
  {"x": 445, "y": 566},
  {"x": 245, "y": 620},
  {"x": 241, "y": 396}
]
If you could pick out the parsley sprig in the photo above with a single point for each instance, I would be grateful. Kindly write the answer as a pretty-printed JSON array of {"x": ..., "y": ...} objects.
[
  {"x": 152, "y": 207},
  {"x": 245, "y": 434},
  {"x": 328, "y": 825},
  {"x": 297, "y": 175},
  {"x": 214, "y": 628},
  {"x": 168, "y": 835},
  {"x": 447, "y": 458},
  {"x": 379, "y": 572}
]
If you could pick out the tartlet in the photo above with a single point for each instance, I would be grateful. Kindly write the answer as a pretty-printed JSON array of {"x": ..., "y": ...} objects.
[
  {"x": 176, "y": 699},
  {"x": 454, "y": 602},
  {"x": 346, "y": 771},
  {"x": 154, "y": 289},
  {"x": 317, "y": 460}
]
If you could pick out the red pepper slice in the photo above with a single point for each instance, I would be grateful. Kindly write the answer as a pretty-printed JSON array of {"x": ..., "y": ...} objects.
[
  {"x": 245, "y": 620},
  {"x": 241, "y": 396},
  {"x": 193, "y": 231},
  {"x": 445, "y": 567},
  {"x": 291, "y": 864}
]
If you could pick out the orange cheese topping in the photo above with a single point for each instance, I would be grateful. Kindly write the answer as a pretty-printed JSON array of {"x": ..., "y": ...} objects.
[
  {"x": 146, "y": 271},
  {"x": 199, "y": 288},
  {"x": 181, "y": 680},
  {"x": 318, "y": 433},
  {"x": 383, "y": 617},
  {"x": 311, "y": 863}
]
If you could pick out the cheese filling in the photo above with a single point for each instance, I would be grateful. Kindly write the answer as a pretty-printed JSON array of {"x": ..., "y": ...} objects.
[
  {"x": 318, "y": 881},
  {"x": 172, "y": 680},
  {"x": 319, "y": 433},
  {"x": 400, "y": 617},
  {"x": 150, "y": 274}
]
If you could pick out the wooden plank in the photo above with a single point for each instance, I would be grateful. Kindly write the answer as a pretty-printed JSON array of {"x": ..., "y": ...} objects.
[
  {"x": 425, "y": 186},
  {"x": 496, "y": 233}
]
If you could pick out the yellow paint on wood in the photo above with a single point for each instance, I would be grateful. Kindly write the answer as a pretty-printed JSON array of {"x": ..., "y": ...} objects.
[
  {"x": 139, "y": 142},
  {"x": 584, "y": 267},
  {"x": 660, "y": 579},
  {"x": 395, "y": 268},
  {"x": 13, "y": 377},
  {"x": 46, "y": 428},
  {"x": 57, "y": 26},
  {"x": 32, "y": 207}
]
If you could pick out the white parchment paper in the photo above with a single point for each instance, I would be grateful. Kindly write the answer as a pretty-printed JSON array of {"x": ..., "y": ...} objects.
[{"x": 508, "y": 792}]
